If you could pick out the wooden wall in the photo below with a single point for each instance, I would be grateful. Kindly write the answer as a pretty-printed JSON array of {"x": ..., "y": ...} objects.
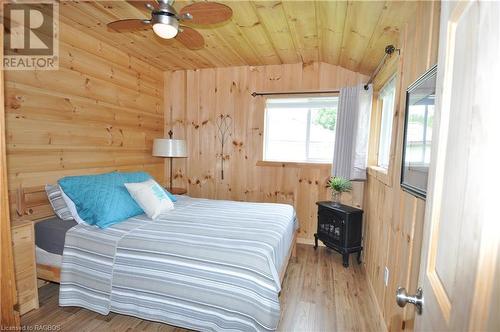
[
  {"x": 99, "y": 112},
  {"x": 195, "y": 98},
  {"x": 394, "y": 218},
  {"x": 8, "y": 292}
]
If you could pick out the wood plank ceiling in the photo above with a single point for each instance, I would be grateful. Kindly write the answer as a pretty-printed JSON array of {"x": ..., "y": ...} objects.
[{"x": 351, "y": 34}]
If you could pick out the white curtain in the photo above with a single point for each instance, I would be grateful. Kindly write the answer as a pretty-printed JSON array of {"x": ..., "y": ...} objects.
[{"x": 350, "y": 156}]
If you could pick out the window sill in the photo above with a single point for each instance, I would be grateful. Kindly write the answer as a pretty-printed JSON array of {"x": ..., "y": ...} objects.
[
  {"x": 378, "y": 169},
  {"x": 290, "y": 164},
  {"x": 381, "y": 174}
]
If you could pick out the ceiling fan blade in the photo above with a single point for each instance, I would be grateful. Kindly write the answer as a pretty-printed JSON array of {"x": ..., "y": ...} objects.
[
  {"x": 190, "y": 38},
  {"x": 143, "y": 5},
  {"x": 129, "y": 25},
  {"x": 207, "y": 12}
]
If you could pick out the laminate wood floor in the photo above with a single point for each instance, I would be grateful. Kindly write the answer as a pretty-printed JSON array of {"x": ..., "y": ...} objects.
[{"x": 318, "y": 294}]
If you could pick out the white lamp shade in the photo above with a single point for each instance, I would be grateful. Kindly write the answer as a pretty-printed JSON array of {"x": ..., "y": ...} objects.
[
  {"x": 173, "y": 148},
  {"x": 165, "y": 31}
]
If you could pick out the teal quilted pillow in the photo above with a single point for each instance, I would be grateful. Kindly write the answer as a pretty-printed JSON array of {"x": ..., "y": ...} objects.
[{"x": 101, "y": 199}]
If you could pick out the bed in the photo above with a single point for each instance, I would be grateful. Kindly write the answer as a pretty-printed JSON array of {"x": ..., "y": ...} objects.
[
  {"x": 49, "y": 245},
  {"x": 206, "y": 265}
]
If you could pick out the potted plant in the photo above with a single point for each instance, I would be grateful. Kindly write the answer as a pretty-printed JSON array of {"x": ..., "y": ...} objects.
[{"x": 338, "y": 185}]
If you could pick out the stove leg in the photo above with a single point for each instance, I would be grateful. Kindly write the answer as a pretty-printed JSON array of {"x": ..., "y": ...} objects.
[{"x": 345, "y": 260}]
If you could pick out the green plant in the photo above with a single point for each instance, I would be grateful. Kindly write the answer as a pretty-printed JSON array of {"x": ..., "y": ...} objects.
[
  {"x": 339, "y": 184},
  {"x": 327, "y": 118}
]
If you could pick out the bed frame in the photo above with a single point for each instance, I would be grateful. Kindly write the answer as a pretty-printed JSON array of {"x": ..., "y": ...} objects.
[
  {"x": 292, "y": 254},
  {"x": 48, "y": 273},
  {"x": 31, "y": 203}
]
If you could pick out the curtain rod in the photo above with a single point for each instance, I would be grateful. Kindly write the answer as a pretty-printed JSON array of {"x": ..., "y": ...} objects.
[
  {"x": 389, "y": 50},
  {"x": 292, "y": 93}
]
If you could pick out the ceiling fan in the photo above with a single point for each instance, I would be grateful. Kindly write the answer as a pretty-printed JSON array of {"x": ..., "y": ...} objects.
[{"x": 166, "y": 22}]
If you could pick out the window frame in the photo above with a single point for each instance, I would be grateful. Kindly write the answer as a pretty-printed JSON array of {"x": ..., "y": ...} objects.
[
  {"x": 268, "y": 162},
  {"x": 384, "y": 175}
]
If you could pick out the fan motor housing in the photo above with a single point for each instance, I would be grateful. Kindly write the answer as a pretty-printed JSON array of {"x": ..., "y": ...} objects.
[
  {"x": 164, "y": 18},
  {"x": 165, "y": 8}
]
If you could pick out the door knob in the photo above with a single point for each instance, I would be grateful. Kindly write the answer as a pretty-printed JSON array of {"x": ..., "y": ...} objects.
[{"x": 402, "y": 298}]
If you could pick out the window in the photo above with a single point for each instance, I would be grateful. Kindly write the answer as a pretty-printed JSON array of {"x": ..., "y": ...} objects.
[
  {"x": 300, "y": 129},
  {"x": 386, "y": 104}
]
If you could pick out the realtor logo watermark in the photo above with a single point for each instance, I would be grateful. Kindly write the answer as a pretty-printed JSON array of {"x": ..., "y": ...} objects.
[{"x": 31, "y": 35}]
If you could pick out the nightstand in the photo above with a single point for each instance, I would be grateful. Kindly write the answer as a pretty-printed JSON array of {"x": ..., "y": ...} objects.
[
  {"x": 177, "y": 191},
  {"x": 23, "y": 248}
]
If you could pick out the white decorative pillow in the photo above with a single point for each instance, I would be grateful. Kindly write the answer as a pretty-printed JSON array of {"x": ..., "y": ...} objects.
[
  {"x": 151, "y": 197},
  {"x": 71, "y": 207}
]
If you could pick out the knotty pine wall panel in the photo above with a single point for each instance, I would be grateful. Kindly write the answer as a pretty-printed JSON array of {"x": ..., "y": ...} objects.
[
  {"x": 393, "y": 218},
  {"x": 193, "y": 101},
  {"x": 98, "y": 113}
]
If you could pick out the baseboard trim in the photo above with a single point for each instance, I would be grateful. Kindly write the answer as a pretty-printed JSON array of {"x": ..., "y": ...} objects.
[{"x": 372, "y": 291}]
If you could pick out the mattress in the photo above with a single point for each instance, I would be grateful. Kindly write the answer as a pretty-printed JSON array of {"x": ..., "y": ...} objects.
[
  {"x": 50, "y": 234},
  {"x": 44, "y": 257},
  {"x": 206, "y": 265}
]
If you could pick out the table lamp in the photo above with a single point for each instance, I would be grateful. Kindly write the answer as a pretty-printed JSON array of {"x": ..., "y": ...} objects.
[{"x": 169, "y": 148}]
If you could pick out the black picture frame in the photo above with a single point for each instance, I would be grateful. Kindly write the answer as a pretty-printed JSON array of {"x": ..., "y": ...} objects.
[{"x": 414, "y": 176}]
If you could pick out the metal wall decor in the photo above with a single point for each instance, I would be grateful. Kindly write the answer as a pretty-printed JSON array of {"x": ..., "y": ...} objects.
[{"x": 224, "y": 124}]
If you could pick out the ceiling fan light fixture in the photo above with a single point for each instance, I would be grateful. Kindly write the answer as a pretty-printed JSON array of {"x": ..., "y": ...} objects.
[
  {"x": 165, "y": 20},
  {"x": 165, "y": 31},
  {"x": 165, "y": 26}
]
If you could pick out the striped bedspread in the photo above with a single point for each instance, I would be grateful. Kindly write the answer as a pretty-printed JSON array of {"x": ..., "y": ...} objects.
[{"x": 206, "y": 265}]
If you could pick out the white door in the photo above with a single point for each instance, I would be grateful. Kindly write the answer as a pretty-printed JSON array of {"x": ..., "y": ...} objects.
[{"x": 460, "y": 262}]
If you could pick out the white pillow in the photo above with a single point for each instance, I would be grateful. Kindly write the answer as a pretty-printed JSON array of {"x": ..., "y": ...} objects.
[
  {"x": 151, "y": 197},
  {"x": 71, "y": 207}
]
